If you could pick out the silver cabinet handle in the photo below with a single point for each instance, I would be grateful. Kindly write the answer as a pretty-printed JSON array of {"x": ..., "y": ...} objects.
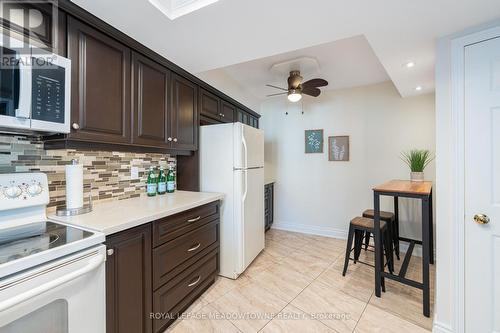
[
  {"x": 110, "y": 252},
  {"x": 75, "y": 126},
  {"x": 175, "y": 139},
  {"x": 195, "y": 282},
  {"x": 169, "y": 139},
  {"x": 194, "y": 248},
  {"x": 194, "y": 220}
]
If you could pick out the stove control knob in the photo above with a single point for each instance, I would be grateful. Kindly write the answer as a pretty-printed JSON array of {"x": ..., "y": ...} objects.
[
  {"x": 13, "y": 192},
  {"x": 34, "y": 189}
]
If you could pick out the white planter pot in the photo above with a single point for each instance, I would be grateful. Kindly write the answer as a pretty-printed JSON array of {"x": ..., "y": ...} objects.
[{"x": 417, "y": 176}]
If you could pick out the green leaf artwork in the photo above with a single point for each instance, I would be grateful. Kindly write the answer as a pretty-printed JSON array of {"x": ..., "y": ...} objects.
[{"x": 314, "y": 141}]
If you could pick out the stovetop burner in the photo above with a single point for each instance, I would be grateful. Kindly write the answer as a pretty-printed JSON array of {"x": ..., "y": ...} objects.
[{"x": 26, "y": 240}]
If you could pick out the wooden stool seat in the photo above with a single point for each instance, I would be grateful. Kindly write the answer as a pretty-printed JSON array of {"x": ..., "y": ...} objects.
[
  {"x": 358, "y": 227},
  {"x": 384, "y": 216},
  {"x": 393, "y": 227},
  {"x": 366, "y": 223}
]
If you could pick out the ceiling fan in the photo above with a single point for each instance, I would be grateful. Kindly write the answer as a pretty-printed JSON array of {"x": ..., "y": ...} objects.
[{"x": 296, "y": 87}]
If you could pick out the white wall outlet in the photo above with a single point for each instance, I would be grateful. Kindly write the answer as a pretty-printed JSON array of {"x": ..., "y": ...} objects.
[{"x": 134, "y": 172}]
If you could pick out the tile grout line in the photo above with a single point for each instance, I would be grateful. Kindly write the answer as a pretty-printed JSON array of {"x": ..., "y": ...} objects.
[
  {"x": 289, "y": 303},
  {"x": 363, "y": 312}
]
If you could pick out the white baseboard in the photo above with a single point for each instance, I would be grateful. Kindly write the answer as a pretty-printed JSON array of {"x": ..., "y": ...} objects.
[
  {"x": 438, "y": 327},
  {"x": 311, "y": 229},
  {"x": 331, "y": 232}
]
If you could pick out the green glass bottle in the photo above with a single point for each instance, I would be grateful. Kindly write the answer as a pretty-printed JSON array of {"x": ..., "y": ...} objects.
[
  {"x": 162, "y": 182},
  {"x": 170, "y": 180},
  {"x": 151, "y": 183}
]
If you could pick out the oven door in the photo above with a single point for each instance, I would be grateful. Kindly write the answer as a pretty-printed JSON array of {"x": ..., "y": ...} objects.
[
  {"x": 15, "y": 86},
  {"x": 67, "y": 295}
]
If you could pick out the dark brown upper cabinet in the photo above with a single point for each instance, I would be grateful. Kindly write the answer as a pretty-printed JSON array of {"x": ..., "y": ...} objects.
[
  {"x": 227, "y": 112},
  {"x": 129, "y": 281},
  {"x": 100, "y": 85},
  {"x": 151, "y": 114},
  {"x": 209, "y": 104},
  {"x": 48, "y": 32},
  {"x": 242, "y": 116},
  {"x": 184, "y": 113}
]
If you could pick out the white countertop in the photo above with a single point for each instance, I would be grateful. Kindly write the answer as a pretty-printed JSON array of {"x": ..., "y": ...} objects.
[
  {"x": 269, "y": 180},
  {"x": 114, "y": 216}
]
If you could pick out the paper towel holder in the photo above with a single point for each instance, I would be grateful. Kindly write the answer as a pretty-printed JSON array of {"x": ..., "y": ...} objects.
[{"x": 63, "y": 211}]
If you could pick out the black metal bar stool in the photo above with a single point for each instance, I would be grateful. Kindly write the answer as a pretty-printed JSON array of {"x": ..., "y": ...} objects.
[
  {"x": 357, "y": 228},
  {"x": 393, "y": 225}
]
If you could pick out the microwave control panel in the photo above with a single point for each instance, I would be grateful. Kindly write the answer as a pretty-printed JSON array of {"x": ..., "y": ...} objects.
[{"x": 47, "y": 100}]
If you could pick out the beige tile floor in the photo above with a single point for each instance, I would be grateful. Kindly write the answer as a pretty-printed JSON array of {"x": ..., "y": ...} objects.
[{"x": 296, "y": 285}]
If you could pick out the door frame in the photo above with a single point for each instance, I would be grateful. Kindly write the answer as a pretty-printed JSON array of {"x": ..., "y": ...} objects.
[{"x": 456, "y": 166}]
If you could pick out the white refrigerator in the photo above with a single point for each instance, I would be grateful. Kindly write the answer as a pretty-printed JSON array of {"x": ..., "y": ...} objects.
[{"x": 232, "y": 162}]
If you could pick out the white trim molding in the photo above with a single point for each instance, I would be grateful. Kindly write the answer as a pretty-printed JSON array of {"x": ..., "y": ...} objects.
[
  {"x": 439, "y": 327},
  {"x": 450, "y": 176},
  {"x": 311, "y": 229}
]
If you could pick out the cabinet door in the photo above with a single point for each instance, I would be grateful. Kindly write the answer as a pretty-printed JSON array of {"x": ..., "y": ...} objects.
[
  {"x": 100, "y": 85},
  {"x": 151, "y": 102},
  {"x": 209, "y": 104},
  {"x": 242, "y": 116},
  {"x": 184, "y": 114},
  {"x": 128, "y": 281},
  {"x": 227, "y": 112},
  {"x": 254, "y": 121}
]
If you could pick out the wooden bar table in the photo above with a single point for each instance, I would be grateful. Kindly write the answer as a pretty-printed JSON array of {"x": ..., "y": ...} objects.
[{"x": 406, "y": 189}]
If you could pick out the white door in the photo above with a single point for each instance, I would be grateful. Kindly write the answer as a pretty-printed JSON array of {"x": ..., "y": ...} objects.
[{"x": 482, "y": 186}]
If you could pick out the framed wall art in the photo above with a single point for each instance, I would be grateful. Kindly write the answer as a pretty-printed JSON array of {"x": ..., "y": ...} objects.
[
  {"x": 338, "y": 148},
  {"x": 314, "y": 141}
]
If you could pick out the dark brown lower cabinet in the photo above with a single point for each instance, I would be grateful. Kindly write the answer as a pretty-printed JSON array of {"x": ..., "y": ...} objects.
[
  {"x": 129, "y": 281},
  {"x": 268, "y": 205},
  {"x": 156, "y": 271}
]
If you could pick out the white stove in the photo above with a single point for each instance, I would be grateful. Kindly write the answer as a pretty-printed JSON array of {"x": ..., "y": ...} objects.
[{"x": 44, "y": 263}]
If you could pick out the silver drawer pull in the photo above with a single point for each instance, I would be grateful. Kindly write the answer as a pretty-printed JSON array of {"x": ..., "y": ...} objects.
[
  {"x": 196, "y": 247},
  {"x": 194, "y": 220},
  {"x": 195, "y": 282}
]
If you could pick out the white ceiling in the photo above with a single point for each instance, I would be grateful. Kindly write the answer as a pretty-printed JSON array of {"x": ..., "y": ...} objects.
[
  {"x": 229, "y": 32},
  {"x": 344, "y": 63}
]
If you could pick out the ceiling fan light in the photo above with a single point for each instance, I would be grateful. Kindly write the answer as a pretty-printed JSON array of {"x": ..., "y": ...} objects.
[{"x": 294, "y": 96}]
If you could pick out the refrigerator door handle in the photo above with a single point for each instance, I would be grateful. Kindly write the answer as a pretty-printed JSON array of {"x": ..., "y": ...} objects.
[
  {"x": 245, "y": 152},
  {"x": 245, "y": 180}
]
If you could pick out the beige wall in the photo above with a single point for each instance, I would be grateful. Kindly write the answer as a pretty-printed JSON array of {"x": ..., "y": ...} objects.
[
  {"x": 220, "y": 80},
  {"x": 318, "y": 196}
]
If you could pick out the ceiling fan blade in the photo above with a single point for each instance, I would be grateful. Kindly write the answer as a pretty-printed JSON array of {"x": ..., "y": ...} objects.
[
  {"x": 270, "y": 85},
  {"x": 315, "y": 83},
  {"x": 311, "y": 91},
  {"x": 283, "y": 93}
]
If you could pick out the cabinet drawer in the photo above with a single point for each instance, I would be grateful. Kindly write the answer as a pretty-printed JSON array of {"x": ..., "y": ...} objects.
[
  {"x": 174, "y": 253},
  {"x": 176, "y": 295},
  {"x": 171, "y": 227}
]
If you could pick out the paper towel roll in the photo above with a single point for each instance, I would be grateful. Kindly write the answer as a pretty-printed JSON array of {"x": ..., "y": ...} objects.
[{"x": 74, "y": 186}]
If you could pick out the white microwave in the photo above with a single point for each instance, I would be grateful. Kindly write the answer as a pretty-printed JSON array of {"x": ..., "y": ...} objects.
[{"x": 34, "y": 89}]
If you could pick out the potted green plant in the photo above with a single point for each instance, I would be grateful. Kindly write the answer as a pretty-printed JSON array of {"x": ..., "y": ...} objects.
[{"x": 417, "y": 160}]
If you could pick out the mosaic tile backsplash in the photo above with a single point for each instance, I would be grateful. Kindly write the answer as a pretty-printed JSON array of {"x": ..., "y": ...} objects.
[{"x": 106, "y": 174}]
